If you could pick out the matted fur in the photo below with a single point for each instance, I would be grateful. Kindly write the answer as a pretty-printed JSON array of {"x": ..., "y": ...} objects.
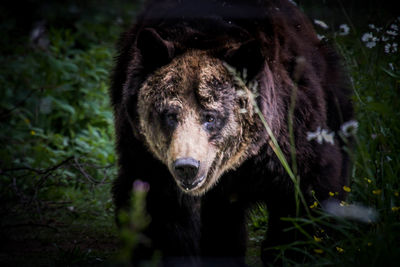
[
  {"x": 192, "y": 85},
  {"x": 172, "y": 61}
]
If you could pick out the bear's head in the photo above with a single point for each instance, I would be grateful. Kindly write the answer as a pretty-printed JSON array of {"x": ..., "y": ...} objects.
[{"x": 192, "y": 113}]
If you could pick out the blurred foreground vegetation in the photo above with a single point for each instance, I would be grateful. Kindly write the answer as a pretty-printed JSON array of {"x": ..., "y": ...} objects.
[{"x": 56, "y": 132}]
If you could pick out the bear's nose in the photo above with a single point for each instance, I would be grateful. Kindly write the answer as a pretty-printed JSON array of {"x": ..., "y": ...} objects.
[{"x": 186, "y": 170}]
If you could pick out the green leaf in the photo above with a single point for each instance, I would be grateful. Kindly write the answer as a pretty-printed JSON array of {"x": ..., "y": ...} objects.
[{"x": 65, "y": 106}]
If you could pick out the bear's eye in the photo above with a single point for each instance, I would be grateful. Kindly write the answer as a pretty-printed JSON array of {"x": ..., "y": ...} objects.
[
  {"x": 210, "y": 121},
  {"x": 171, "y": 119},
  {"x": 210, "y": 118}
]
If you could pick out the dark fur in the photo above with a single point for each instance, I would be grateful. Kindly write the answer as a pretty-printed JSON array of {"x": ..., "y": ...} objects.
[{"x": 272, "y": 36}]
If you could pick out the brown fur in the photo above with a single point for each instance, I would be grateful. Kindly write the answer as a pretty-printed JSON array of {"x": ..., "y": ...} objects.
[
  {"x": 188, "y": 84},
  {"x": 171, "y": 78}
]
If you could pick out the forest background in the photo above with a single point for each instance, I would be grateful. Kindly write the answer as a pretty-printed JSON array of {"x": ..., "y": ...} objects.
[{"x": 57, "y": 158}]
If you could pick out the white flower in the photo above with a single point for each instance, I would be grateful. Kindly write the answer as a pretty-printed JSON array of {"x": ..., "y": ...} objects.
[
  {"x": 366, "y": 37},
  {"x": 293, "y": 2},
  {"x": 351, "y": 211},
  {"x": 314, "y": 135},
  {"x": 328, "y": 137},
  {"x": 369, "y": 39},
  {"x": 387, "y": 48},
  {"x": 391, "y": 32},
  {"x": 344, "y": 29},
  {"x": 349, "y": 128},
  {"x": 320, "y": 136},
  {"x": 370, "y": 44},
  {"x": 384, "y": 38},
  {"x": 391, "y": 66},
  {"x": 390, "y": 48},
  {"x": 320, "y": 36},
  {"x": 394, "y": 27},
  {"x": 371, "y": 26},
  {"x": 321, "y": 24}
]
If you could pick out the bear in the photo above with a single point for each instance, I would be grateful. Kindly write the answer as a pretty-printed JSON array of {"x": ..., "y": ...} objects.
[{"x": 189, "y": 124}]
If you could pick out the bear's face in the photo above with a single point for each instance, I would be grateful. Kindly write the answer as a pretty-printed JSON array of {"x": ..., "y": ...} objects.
[{"x": 191, "y": 115}]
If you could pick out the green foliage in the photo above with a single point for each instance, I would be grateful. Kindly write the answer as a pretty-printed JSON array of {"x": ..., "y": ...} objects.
[
  {"x": 133, "y": 223},
  {"x": 368, "y": 235},
  {"x": 57, "y": 155},
  {"x": 65, "y": 111},
  {"x": 375, "y": 73},
  {"x": 57, "y": 159},
  {"x": 364, "y": 230},
  {"x": 74, "y": 256}
]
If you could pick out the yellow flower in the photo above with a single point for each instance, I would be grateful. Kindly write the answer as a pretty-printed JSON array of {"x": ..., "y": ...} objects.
[
  {"x": 396, "y": 194},
  {"x": 317, "y": 239},
  {"x": 319, "y": 251},
  {"x": 368, "y": 180},
  {"x": 339, "y": 249},
  {"x": 369, "y": 244},
  {"x": 346, "y": 188},
  {"x": 395, "y": 208},
  {"x": 314, "y": 205},
  {"x": 331, "y": 194},
  {"x": 376, "y": 192},
  {"x": 33, "y": 132}
]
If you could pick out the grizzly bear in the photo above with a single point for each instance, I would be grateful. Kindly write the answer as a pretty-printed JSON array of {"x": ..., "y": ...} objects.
[{"x": 187, "y": 126}]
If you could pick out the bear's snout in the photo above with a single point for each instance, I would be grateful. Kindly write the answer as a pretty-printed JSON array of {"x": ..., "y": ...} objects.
[{"x": 186, "y": 170}]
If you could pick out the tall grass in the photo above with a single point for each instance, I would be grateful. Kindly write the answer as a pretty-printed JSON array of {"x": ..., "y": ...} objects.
[
  {"x": 364, "y": 230},
  {"x": 54, "y": 106}
]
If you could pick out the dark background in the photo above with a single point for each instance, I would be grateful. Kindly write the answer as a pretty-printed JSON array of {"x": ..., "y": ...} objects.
[{"x": 56, "y": 137}]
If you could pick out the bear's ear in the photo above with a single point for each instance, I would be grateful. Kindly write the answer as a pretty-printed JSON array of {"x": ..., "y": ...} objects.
[
  {"x": 155, "y": 51},
  {"x": 247, "y": 57}
]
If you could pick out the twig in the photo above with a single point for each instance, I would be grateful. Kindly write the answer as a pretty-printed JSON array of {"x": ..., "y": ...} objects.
[
  {"x": 83, "y": 171},
  {"x": 38, "y": 171},
  {"x": 7, "y": 112}
]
